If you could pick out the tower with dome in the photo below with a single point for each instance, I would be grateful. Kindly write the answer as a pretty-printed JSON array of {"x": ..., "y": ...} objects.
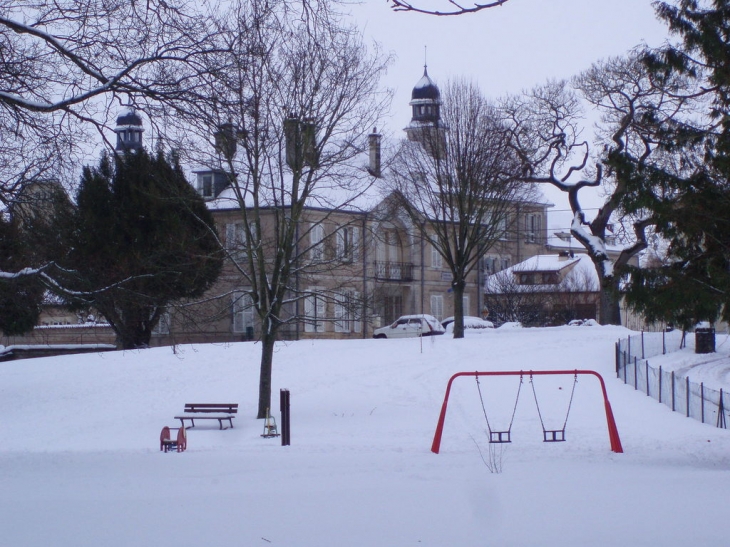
[
  {"x": 426, "y": 126},
  {"x": 129, "y": 130}
]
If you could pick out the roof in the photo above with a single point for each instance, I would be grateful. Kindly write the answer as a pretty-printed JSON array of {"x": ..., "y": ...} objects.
[
  {"x": 577, "y": 273},
  {"x": 425, "y": 89},
  {"x": 128, "y": 117}
]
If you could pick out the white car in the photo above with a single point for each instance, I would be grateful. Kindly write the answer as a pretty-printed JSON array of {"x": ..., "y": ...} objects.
[
  {"x": 469, "y": 323},
  {"x": 409, "y": 326}
]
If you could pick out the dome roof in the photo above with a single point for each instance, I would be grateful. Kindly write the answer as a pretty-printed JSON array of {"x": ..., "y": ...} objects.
[
  {"x": 425, "y": 88},
  {"x": 128, "y": 116}
]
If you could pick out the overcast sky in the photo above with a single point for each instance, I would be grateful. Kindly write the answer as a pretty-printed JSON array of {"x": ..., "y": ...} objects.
[{"x": 505, "y": 49}]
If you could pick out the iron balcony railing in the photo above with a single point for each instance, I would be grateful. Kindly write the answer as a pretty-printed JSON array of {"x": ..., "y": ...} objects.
[{"x": 394, "y": 271}]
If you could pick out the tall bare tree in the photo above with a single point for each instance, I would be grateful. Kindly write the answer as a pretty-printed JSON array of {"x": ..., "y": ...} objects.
[
  {"x": 65, "y": 64},
  {"x": 627, "y": 145},
  {"x": 459, "y": 181},
  {"x": 290, "y": 105}
]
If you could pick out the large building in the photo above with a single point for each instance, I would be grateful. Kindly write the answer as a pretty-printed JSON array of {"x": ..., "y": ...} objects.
[
  {"x": 373, "y": 263},
  {"x": 359, "y": 266}
]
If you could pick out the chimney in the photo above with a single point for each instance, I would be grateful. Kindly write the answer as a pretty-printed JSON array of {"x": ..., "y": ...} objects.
[
  {"x": 301, "y": 142},
  {"x": 374, "y": 164}
]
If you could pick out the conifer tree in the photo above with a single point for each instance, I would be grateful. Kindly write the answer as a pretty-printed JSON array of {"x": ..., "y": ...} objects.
[
  {"x": 141, "y": 239},
  {"x": 692, "y": 212},
  {"x": 20, "y": 296}
]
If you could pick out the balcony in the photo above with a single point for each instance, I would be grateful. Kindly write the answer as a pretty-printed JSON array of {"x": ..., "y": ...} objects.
[{"x": 393, "y": 271}]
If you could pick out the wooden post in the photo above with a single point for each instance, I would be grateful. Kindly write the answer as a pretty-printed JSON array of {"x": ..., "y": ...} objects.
[
  {"x": 673, "y": 406},
  {"x": 285, "y": 427}
]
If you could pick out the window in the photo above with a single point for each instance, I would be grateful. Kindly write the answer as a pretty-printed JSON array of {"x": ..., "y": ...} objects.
[
  {"x": 527, "y": 278},
  {"x": 347, "y": 243},
  {"x": 163, "y": 324},
  {"x": 243, "y": 312},
  {"x": 491, "y": 265},
  {"x": 533, "y": 223},
  {"x": 316, "y": 236},
  {"x": 236, "y": 242},
  {"x": 437, "y": 306},
  {"x": 314, "y": 311},
  {"x": 347, "y": 312},
  {"x": 465, "y": 300},
  {"x": 205, "y": 184},
  {"x": 436, "y": 258}
]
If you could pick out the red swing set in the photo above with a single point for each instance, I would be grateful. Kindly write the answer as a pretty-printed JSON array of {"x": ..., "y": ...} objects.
[{"x": 554, "y": 435}]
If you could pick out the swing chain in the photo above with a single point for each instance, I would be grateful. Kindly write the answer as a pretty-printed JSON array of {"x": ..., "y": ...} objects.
[
  {"x": 570, "y": 404},
  {"x": 484, "y": 410}
]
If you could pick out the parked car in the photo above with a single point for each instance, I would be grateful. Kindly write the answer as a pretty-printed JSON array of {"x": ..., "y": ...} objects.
[
  {"x": 409, "y": 326},
  {"x": 470, "y": 322}
]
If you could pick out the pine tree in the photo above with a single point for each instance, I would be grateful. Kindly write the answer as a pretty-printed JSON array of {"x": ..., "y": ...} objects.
[
  {"x": 141, "y": 238},
  {"x": 21, "y": 296},
  {"x": 692, "y": 211}
]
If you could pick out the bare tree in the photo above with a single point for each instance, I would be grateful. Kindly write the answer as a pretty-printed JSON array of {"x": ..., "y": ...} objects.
[
  {"x": 290, "y": 103},
  {"x": 459, "y": 183},
  {"x": 547, "y": 129},
  {"x": 64, "y": 64},
  {"x": 451, "y": 7}
]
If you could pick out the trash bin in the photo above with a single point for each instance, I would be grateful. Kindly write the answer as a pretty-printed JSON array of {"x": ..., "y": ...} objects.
[{"x": 705, "y": 340}]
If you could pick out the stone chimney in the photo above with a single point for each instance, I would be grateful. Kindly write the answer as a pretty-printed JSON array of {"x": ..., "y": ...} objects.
[{"x": 374, "y": 163}]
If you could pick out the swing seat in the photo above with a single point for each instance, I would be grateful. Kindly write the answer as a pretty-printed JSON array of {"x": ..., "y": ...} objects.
[
  {"x": 553, "y": 435},
  {"x": 499, "y": 437}
]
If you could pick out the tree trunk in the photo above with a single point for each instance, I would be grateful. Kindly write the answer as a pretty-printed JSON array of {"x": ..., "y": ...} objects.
[
  {"x": 132, "y": 338},
  {"x": 458, "y": 288},
  {"x": 268, "y": 340},
  {"x": 609, "y": 312}
]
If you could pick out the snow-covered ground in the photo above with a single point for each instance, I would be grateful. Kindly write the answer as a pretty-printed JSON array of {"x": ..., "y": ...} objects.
[{"x": 81, "y": 465}]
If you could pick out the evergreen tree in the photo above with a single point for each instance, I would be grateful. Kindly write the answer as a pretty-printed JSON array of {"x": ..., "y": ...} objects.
[
  {"x": 21, "y": 296},
  {"x": 141, "y": 238},
  {"x": 692, "y": 211}
]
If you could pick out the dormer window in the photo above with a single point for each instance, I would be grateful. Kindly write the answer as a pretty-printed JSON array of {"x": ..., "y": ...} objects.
[{"x": 205, "y": 184}]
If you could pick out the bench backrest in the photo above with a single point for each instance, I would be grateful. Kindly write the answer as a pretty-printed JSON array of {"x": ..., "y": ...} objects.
[{"x": 229, "y": 408}]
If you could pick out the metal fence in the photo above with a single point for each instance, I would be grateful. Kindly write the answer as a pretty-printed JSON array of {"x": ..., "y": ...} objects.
[{"x": 694, "y": 400}]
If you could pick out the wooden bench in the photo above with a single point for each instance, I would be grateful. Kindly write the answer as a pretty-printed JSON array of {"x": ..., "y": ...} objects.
[
  {"x": 167, "y": 443},
  {"x": 208, "y": 411}
]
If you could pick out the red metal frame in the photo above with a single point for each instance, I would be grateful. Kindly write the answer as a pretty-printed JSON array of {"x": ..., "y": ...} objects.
[{"x": 612, "y": 429}]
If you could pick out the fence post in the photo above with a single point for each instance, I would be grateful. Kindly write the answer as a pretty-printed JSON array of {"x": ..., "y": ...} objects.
[
  {"x": 647, "y": 379},
  {"x": 687, "y": 383},
  {"x": 636, "y": 372},
  {"x": 664, "y": 342},
  {"x": 642, "y": 344},
  {"x": 616, "y": 357},
  {"x": 721, "y": 412},
  {"x": 673, "y": 401},
  {"x": 660, "y": 383},
  {"x": 702, "y": 401}
]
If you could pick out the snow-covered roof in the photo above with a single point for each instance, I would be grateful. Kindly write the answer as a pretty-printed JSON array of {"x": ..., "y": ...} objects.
[
  {"x": 576, "y": 273},
  {"x": 545, "y": 263}
]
